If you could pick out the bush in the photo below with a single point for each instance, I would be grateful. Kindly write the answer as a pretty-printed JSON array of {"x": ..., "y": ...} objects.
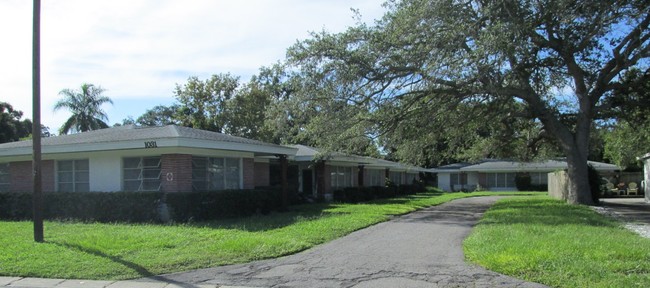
[
  {"x": 201, "y": 206},
  {"x": 142, "y": 207},
  {"x": 88, "y": 206},
  {"x": 523, "y": 182}
]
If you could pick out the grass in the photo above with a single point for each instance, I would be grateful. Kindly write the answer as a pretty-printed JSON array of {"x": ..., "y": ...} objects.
[
  {"x": 125, "y": 251},
  {"x": 547, "y": 241}
]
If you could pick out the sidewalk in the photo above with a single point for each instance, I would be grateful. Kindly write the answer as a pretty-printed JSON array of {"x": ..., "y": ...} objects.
[{"x": 635, "y": 212}]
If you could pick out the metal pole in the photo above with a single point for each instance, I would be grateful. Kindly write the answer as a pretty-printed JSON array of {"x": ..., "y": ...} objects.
[{"x": 37, "y": 197}]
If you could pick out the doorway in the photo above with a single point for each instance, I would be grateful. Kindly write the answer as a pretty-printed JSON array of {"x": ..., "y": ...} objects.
[{"x": 307, "y": 182}]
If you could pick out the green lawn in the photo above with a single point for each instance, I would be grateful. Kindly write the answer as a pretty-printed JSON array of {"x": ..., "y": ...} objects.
[
  {"x": 550, "y": 242},
  {"x": 121, "y": 251}
]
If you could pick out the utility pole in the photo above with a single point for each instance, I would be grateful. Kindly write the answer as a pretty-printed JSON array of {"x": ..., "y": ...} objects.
[{"x": 37, "y": 197}]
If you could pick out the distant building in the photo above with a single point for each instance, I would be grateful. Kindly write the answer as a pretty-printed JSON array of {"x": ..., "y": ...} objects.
[{"x": 499, "y": 175}]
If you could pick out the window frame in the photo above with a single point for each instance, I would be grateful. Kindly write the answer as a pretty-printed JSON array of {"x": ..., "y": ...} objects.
[
  {"x": 457, "y": 178},
  {"x": 375, "y": 174},
  {"x": 142, "y": 170},
  {"x": 208, "y": 178},
  {"x": 5, "y": 186},
  {"x": 341, "y": 177},
  {"x": 501, "y": 179},
  {"x": 74, "y": 183}
]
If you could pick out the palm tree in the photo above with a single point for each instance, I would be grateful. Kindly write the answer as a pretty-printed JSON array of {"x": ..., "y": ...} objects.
[{"x": 85, "y": 105}]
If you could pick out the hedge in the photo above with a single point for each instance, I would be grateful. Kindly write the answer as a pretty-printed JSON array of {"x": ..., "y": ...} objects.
[{"x": 142, "y": 207}]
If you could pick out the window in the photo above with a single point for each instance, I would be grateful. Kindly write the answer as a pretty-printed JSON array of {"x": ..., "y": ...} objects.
[
  {"x": 374, "y": 177},
  {"x": 142, "y": 174},
  {"x": 411, "y": 177},
  {"x": 210, "y": 174},
  {"x": 5, "y": 177},
  {"x": 458, "y": 179},
  {"x": 396, "y": 177},
  {"x": 538, "y": 178},
  {"x": 501, "y": 180},
  {"x": 73, "y": 176},
  {"x": 341, "y": 176}
]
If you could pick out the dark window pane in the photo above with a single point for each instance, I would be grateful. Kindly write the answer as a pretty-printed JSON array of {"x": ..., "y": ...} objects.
[
  {"x": 132, "y": 174},
  {"x": 81, "y": 177},
  {"x": 132, "y": 162},
  {"x": 82, "y": 187},
  {"x": 81, "y": 165},
  {"x": 65, "y": 177},
  {"x": 64, "y": 165},
  {"x": 151, "y": 162},
  {"x": 151, "y": 174}
]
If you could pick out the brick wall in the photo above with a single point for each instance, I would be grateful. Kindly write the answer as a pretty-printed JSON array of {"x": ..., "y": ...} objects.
[
  {"x": 22, "y": 178},
  {"x": 262, "y": 174},
  {"x": 176, "y": 173},
  {"x": 249, "y": 173}
]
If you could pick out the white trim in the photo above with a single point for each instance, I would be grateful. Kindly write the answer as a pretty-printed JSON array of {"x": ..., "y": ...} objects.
[{"x": 161, "y": 143}]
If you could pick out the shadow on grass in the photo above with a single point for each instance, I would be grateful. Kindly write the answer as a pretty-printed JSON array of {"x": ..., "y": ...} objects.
[
  {"x": 275, "y": 220},
  {"x": 140, "y": 270},
  {"x": 543, "y": 212}
]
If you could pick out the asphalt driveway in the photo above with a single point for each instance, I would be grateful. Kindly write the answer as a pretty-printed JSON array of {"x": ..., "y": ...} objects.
[{"x": 421, "y": 249}]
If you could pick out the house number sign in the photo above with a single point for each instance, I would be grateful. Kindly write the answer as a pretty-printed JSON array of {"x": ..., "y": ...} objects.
[{"x": 150, "y": 144}]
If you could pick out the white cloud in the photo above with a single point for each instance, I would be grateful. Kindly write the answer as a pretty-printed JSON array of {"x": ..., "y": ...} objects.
[{"x": 140, "y": 48}]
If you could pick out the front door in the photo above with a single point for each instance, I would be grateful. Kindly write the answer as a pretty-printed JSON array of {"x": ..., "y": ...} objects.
[{"x": 307, "y": 182}]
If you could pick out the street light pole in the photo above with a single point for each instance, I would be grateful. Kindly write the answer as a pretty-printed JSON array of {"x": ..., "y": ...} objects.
[{"x": 37, "y": 197}]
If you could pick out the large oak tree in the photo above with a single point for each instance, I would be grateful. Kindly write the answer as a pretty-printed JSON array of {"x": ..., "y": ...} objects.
[{"x": 552, "y": 62}]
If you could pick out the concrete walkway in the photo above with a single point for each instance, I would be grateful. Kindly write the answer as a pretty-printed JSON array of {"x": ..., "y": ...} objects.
[{"x": 421, "y": 249}]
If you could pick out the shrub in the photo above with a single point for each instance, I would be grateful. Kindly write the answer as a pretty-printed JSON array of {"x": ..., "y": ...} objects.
[
  {"x": 523, "y": 182},
  {"x": 142, "y": 206}
]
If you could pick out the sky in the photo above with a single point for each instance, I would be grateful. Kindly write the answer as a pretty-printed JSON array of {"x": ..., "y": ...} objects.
[{"x": 138, "y": 50}]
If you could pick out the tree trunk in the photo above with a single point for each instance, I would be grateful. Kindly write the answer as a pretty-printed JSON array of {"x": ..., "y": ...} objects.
[
  {"x": 575, "y": 146},
  {"x": 579, "y": 190}
]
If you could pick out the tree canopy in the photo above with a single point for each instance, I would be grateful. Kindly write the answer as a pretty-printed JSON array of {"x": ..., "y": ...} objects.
[
  {"x": 628, "y": 136},
  {"x": 11, "y": 127},
  {"x": 203, "y": 102},
  {"x": 85, "y": 106},
  {"x": 552, "y": 63}
]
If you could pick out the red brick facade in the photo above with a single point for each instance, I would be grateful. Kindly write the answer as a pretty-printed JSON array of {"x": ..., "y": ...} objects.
[
  {"x": 176, "y": 172},
  {"x": 262, "y": 174},
  {"x": 22, "y": 179},
  {"x": 248, "y": 168}
]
